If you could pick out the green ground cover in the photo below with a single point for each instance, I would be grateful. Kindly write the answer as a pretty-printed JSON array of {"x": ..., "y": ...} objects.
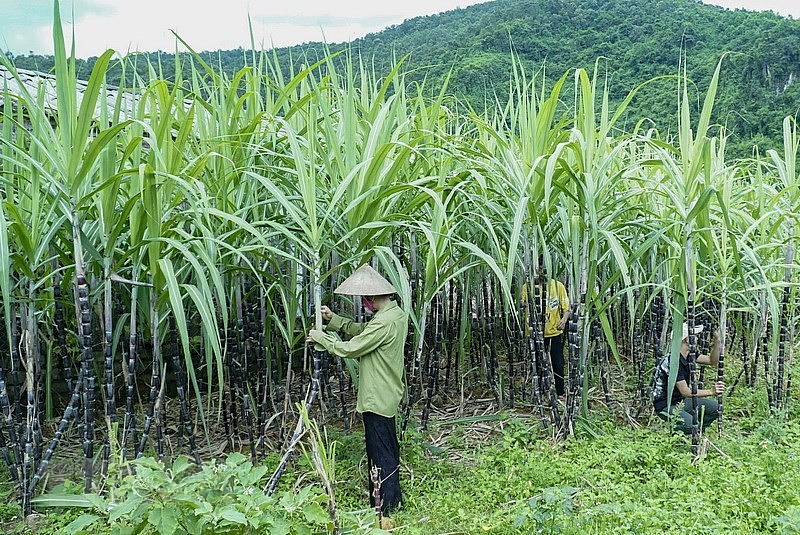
[{"x": 502, "y": 474}]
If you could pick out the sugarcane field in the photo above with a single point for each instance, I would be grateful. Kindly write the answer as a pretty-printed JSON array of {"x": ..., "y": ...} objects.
[{"x": 592, "y": 320}]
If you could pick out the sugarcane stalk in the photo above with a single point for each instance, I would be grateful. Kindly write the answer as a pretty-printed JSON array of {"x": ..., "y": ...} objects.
[
  {"x": 450, "y": 312},
  {"x": 533, "y": 352},
  {"x": 61, "y": 333},
  {"x": 639, "y": 353},
  {"x": 415, "y": 374},
  {"x": 87, "y": 371},
  {"x": 264, "y": 376},
  {"x": 604, "y": 376},
  {"x": 432, "y": 359},
  {"x": 461, "y": 314},
  {"x": 184, "y": 420},
  {"x": 512, "y": 334},
  {"x": 574, "y": 382},
  {"x": 692, "y": 356},
  {"x": 111, "y": 404},
  {"x": 767, "y": 372},
  {"x": 784, "y": 328},
  {"x": 723, "y": 324},
  {"x": 15, "y": 467},
  {"x": 155, "y": 378},
  {"x": 129, "y": 425},
  {"x": 312, "y": 392},
  {"x": 159, "y": 415},
  {"x": 28, "y": 338},
  {"x": 581, "y": 327},
  {"x": 15, "y": 386},
  {"x": 70, "y": 412},
  {"x": 233, "y": 413},
  {"x": 492, "y": 364},
  {"x": 83, "y": 312}
]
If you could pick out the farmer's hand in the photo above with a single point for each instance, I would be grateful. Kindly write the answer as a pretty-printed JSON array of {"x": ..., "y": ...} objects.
[
  {"x": 719, "y": 387},
  {"x": 327, "y": 315},
  {"x": 310, "y": 338},
  {"x": 561, "y": 324}
]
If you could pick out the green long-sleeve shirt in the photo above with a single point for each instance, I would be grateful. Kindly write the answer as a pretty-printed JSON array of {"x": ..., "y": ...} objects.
[{"x": 378, "y": 344}]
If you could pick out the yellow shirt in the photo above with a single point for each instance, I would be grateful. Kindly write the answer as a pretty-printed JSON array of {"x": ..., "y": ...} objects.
[{"x": 557, "y": 304}]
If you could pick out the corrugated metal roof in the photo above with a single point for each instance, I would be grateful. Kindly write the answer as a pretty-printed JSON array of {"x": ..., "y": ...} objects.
[{"x": 35, "y": 82}]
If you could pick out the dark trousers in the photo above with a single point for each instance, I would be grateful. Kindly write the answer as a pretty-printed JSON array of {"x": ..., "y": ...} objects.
[
  {"x": 383, "y": 451},
  {"x": 681, "y": 414},
  {"x": 555, "y": 346}
]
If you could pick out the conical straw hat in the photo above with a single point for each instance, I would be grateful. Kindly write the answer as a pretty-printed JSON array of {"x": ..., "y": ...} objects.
[
  {"x": 685, "y": 333},
  {"x": 365, "y": 281}
]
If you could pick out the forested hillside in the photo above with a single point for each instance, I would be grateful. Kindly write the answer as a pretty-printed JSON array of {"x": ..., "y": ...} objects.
[{"x": 635, "y": 39}]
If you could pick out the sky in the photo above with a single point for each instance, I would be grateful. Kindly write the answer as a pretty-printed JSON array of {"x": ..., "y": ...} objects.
[{"x": 147, "y": 25}]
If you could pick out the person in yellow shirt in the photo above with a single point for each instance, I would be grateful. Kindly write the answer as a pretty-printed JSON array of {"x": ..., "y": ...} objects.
[{"x": 557, "y": 313}]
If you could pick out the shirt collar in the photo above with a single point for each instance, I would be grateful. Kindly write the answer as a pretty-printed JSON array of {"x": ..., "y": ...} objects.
[{"x": 390, "y": 305}]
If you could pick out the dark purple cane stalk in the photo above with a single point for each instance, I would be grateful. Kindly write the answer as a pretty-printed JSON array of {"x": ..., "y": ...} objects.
[
  {"x": 28, "y": 462},
  {"x": 782, "y": 350},
  {"x": 15, "y": 468},
  {"x": 108, "y": 334},
  {"x": 87, "y": 372},
  {"x": 603, "y": 361},
  {"x": 573, "y": 382},
  {"x": 460, "y": 317},
  {"x": 448, "y": 348},
  {"x": 639, "y": 354},
  {"x": 129, "y": 426},
  {"x": 534, "y": 352},
  {"x": 61, "y": 333},
  {"x": 263, "y": 391},
  {"x": 723, "y": 325},
  {"x": 492, "y": 364},
  {"x": 767, "y": 372},
  {"x": 155, "y": 380},
  {"x": 313, "y": 392},
  {"x": 416, "y": 375},
  {"x": 756, "y": 330},
  {"x": 184, "y": 420},
  {"x": 9, "y": 460},
  {"x": 233, "y": 413},
  {"x": 433, "y": 357},
  {"x": 14, "y": 385},
  {"x": 70, "y": 412},
  {"x": 511, "y": 337},
  {"x": 691, "y": 321},
  {"x": 784, "y": 327}
]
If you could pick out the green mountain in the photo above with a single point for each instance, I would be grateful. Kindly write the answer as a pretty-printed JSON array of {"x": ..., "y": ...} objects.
[{"x": 636, "y": 40}]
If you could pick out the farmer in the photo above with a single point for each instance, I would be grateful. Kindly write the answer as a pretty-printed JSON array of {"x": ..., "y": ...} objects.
[
  {"x": 557, "y": 313},
  {"x": 378, "y": 344},
  {"x": 681, "y": 407}
]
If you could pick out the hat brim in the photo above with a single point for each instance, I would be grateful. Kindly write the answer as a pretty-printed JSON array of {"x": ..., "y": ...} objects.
[
  {"x": 365, "y": 281},
  {"x": 685, "y": 334}
]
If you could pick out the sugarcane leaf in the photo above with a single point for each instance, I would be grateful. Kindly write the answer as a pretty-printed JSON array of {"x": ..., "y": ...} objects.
[
  {"x": 81, "y": 523},
  {"x": 64, "y": 500}
]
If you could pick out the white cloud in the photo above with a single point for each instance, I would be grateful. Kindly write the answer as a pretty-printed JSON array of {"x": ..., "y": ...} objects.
[
  {"x": 213, "y": 24},
  {"x": 783, "y": 7},
  {"x": 145, "y": 25}
]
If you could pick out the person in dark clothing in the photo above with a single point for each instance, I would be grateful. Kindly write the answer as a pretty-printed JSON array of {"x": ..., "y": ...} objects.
[{"x": 679, "y": 407}]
